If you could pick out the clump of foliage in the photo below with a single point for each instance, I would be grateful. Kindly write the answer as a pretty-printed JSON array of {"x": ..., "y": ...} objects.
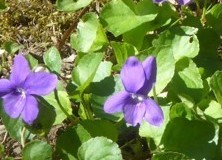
[{"x": 145, "y": 83}]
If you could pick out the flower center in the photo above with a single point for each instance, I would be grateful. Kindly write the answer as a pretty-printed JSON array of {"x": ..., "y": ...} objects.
[
  {"x": 138, "y": 98},
  {"x": 21, "y": 91}
]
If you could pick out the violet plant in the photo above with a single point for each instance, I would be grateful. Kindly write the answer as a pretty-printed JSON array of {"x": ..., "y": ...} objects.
[
  {"x": 145, "y": 83},
  {"x": 18, "y": 93},
  {"x": 138, "y": 79}
]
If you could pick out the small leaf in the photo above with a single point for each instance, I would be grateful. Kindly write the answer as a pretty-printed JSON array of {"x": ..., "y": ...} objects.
[
  {"x": 11, "y": 47},
  {"x": 2, "y": 5},
  {"x": 84, "y": 72},
  {"x": 104, "y": 70},
  {"x": 71, "y": 5},
  {"x": 101, "y": 91},
  {"x": 13, "y": 126},
  {"x": 214, "y": 18},
  {"x": 165, "y": 66},
  {"x": 208, "y": 55},
  {"x": 121, "y": 16},
  {"x": 90, "y": 35},
  {"x": 189, "y": 73},
  {"x": 170, "y": 156},
  {"x": 32, "y": 61},
  {"x": 100, "y": 128},
  {"x": 180, "y": 110},
  {"x": 215, "y": 84},
  {"x": 61, "y": 103},
  {"x": 122, "y": 51},
  {"x": 68, "y": 142},
  {"x": 53, "y": 60},
  {"x": 45, "y": 119},
  {"x": 182, "y": 41},
  {"x": 99, "y": 148},
  {"x": 214, "y": 110},
  {"x": 36, "y": 150},
  {"x": 165, "y": 12}
]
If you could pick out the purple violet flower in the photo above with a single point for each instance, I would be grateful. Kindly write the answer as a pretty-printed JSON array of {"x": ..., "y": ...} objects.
[
  {"x": 138, "y": 79},
  {"x": 180, "y": 2},
  {"x": 183, "y": 2},
  {"x": 18, "y": 92}
]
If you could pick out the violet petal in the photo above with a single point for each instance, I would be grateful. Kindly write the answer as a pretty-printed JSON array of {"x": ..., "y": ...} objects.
[
  {"x": 40, "y": 83},
  {"x": 13, "y": 104},
  {"x": 132, "y": 75},
  {"x": 20, "y": 70},
  {"x": 183, "y": 2},
  {"x": 150, "y": 69},
  {"x": 116, "y": 102},
  {"x": 154, "y": 114},
  {"x": 134, "y": 113},
  {"x": 158, "y": 1},
  {"x": 31, "y": 110},
  {"x": 5, "y": 87}
]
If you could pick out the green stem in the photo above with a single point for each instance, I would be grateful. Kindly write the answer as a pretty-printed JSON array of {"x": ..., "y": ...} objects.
[
  {"x": 204, "y": 12},
  {"x": 86, "y": 106},
  {"x": 70, "y": 117},
  {"x": 154, "y": 94},
  {"x": 198, "y": 7},
  {"x": 23, "y": 137}
]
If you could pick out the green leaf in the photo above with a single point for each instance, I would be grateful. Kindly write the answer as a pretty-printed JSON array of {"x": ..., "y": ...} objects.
[
  {"x": 208, "y": 55},
  {"x": 84, "y": 72},
  {"x": 136, "y": 35},
  {"x": 61, "y": 103},
  {"x": 196, "y": 139},
  {"x": 170, "y": 156},
  {"x": 45, "y": 119},
  {"x": 53, "y": 60},
  {"x": 71, "y": 5},
  {"x": 36, "y": 150},
  {"x": 101, "y": 91},
  {"x": 215, "y": 84},
  {"x": 214, "y": 111},
  {"x": 121, "y": 16},
  {"x": 122, "y": 51},
  {"x": 99, "y": 148},
  {"x": 189, "y": 73},
  {"x": 90, "y": 35},
  {"x": 214, "y": 17},
  {"x": 13, "y": 126},
  {"x": 182, "y": 41},
  {"x": 100, "y": 128},
  {"x": 165, "y": 66},
  {"x": 32, "y": 61},
  {"x": 148, "y": 130},
  {"x": 180, "y": 110},
  {"x": 104, "y": 70},
  {"x": 2, "y": 5},
  {"x": 68, "y": 142},
  {"x": 11, "y": 47}
]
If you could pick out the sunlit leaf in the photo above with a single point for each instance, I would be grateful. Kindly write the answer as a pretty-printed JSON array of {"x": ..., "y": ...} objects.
[
  {"x": 71, "y": 5},
  {"x": 53, "y": 60},
  {"x": 121, "y": 16},
  {"x": 99, "y": 148},
  {"x": 86, "y": 69},
  {"x": 90, "y": 35},
  {"x": 36, "y": 150}
]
